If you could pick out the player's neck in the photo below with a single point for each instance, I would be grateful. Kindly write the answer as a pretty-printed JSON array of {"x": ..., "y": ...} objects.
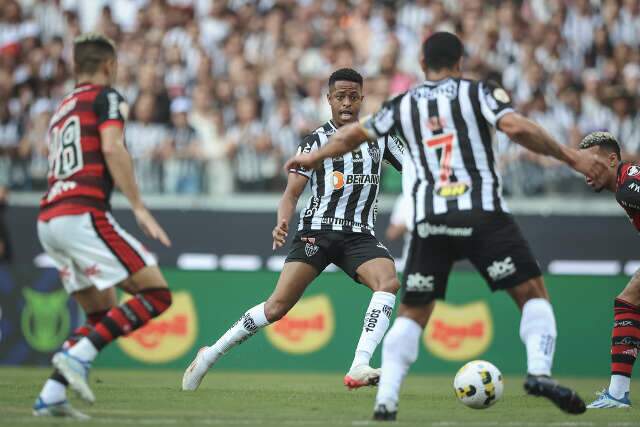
[
  {"x": 338, "y": 124},
  {"x": 435, "y": 76},
  {"x": 94, "y": 79}
]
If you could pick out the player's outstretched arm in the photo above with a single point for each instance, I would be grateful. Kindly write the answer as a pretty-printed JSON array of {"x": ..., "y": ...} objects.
[
  {"x": 120, "y": 166},
  {"x": 348, "y": 138},
  {"x": 533, "y": 137},
  {"x": 286, "y": 208}
]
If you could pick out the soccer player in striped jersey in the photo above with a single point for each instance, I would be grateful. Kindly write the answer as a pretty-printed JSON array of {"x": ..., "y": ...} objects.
[
  {"x": 447, "y": 126},
  {"x": 336, "y": 226},
  {"x": 87, "y": 156},
  {"x": 623, "y": 179}
]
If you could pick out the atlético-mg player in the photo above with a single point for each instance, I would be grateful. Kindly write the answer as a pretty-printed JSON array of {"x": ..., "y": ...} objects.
[
  {"x": 87, "y": 156},
  {"x": 623, "y": 179}
]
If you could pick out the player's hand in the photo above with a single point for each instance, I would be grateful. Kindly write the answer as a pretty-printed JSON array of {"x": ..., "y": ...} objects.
[
  {"x": 591, "y": 166},
  {"x": 280, "y": 233},
  {"x": 305, "y": 161},
  {"x": 150, "y": 226}
]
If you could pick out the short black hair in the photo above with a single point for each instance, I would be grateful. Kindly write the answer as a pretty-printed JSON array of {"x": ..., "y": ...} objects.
[
  {"x": 90, "y": 50},
  {"x": 601, "y": 139},
  {"x": 442, "y": 50},
  {"x": 345, "y": 74}
]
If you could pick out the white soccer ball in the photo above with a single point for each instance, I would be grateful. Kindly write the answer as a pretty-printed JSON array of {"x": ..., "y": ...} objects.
[{"x": 478, "y": 384}]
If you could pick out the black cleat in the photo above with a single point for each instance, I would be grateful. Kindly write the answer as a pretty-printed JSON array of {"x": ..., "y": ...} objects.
[
  {"x": 381, "y": 413},
  {"x": 563, "y": 397}
]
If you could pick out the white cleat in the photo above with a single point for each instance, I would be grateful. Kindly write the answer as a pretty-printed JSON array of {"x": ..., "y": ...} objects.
[
  {"x": 75, "y": 371},
  {"x": 606, "y": 401},
  {"x": 62, "y": 409},
  {"x": 195, "y": 373},
  {"x": 362, "y": 376}
]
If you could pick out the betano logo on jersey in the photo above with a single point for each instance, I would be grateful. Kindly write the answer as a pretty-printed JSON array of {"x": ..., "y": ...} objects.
[
  {"x": 339, "y": 180},
  {"x": 308, "y": 327},
  {"x": 452, "y": 190},
  {"x": 459, "y": 332},
  {"x": 166, "y": 337}
]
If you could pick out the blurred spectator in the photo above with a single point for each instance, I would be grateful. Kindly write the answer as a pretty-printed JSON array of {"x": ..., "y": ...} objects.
[{"x": 272, "y": 58}]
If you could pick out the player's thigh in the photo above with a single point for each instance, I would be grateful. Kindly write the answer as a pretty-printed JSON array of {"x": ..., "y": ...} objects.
[
  {"x": 367, "y": 261},
  {"x": 631, "y": 292},
  {"x": 93, "y": 300},
  {"x": 293, "y": 281},
  {"x": 500, "y": 253},
  {"x": 379, "y": 274},
  {"x": 427, "y": 269}
]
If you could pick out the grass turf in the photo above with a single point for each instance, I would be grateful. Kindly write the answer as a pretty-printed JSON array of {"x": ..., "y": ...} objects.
[{"x": 128, "y": 397}]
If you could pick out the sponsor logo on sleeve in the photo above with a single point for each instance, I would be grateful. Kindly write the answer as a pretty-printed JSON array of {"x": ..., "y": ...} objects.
[
  {"x": 501, "y": 95},
  {"x": 633, "y": 170}
]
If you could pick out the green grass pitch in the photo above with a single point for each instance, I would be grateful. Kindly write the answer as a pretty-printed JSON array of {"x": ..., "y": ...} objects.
[{"x": 153, "y": 398}]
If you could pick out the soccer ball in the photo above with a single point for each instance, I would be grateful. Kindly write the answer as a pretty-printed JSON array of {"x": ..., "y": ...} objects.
[{"x": 478, "y": 384}]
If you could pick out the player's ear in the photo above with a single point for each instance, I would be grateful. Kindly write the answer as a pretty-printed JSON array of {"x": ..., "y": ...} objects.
[{"x": 613, "y": 159}]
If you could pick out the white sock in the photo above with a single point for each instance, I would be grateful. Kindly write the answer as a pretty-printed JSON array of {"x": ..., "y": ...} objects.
[
  {"x": 53, "y": 391},
  {"x": 399, "y": 351},
  {"x": 84, "y": 350},
  {"x": 538, "y": 333},
  {"x": 619, "y": 386},
  {"x": 376, "y": 323},
  {"x": 238, "y": 333}
]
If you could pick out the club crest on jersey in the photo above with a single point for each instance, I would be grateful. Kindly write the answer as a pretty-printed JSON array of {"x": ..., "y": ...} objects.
[
  {"x": 374, "y": 152},
  {"x": 452, "y": 190},
  {"x": 310, "y": 249}
]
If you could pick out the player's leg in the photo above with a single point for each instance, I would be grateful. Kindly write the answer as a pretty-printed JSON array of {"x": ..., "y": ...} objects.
[
  {"x": 293, "y": 281},
  {"x": 52, "y": 400},
  {"x": 625, "y": 342},
  {"x": 503, "y": 257},
  {"x": 368, "y": 262},
  {"x": 425, "y": 279},
  {"x": 109, "y": 256}
]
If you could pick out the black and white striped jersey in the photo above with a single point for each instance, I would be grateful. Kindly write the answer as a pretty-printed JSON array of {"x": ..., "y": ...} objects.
[
  {"x": 344, "y": 189},
  {"x": 448, "y": 130}
]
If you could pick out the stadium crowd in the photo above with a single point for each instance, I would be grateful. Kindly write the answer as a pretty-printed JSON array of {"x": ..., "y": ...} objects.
[{"x": 221, "y": 92}]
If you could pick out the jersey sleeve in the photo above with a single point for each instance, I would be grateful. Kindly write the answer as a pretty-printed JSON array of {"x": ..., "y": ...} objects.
[
  {"x": 382, "y": 122},
  {"x": 628, "y": 191},
  {"x": 495, "y": 102},
  {"x": 394, "y": 151},
  {"x": 111, "y": 109},
  {"x": 308, "y": 144}
]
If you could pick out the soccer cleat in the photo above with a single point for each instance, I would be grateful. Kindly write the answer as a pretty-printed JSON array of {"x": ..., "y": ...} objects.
[
  {"x": 61, "y": 409},
  {"x": 362, "y": 376},
  {"x": 563, "y": 397},
  {"x": 385, "y": 412},
  {"x": 606, "y": 401},
  {"x": 75, "y": 371},
  {"x": 196, "y": 371}
]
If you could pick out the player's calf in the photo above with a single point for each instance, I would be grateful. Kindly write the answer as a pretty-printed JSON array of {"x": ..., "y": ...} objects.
[{"x": 625, "y": 343}]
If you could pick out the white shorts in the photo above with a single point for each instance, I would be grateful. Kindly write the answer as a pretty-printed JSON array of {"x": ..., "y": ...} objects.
[{"x": 91, "y": 249}]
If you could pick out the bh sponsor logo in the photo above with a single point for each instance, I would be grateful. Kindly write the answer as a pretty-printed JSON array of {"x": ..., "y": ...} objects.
[
  {"x": 453, "y": 190},
  {"x": 45, "y": 319},
  {"x": 459, "y": 332},
  {"x": 501, "y": 269},
  {"x": 308, "y": 327},
  {"x": 339, "y": 180},
  {"x": 166, "y": 337}
]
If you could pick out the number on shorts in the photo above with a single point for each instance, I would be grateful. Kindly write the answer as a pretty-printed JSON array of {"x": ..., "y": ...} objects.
[
  {"x": 66, "y": 152},
  {"x": 444, "y": 143}
]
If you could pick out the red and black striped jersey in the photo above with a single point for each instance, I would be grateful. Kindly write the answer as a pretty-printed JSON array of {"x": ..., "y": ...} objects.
[
  {"x": 628, "y": 191},
  {"x": 79, "y": 180}
]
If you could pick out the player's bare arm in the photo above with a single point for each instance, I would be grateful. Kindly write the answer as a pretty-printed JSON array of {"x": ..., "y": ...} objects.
[
  {"x": 287, "y": 206},
  {"x": 121, "y": 167},
  {"x": 348, "y": 138},
  {"x": 533, "y": 137}
]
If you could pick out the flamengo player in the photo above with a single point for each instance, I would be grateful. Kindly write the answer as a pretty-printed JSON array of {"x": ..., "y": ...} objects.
[
  {"x": 623, "y": 179},
  {"x": 447, "y": 125},
  {"x": 87, "y": 156},
  {"x": 337, "y": 226}
]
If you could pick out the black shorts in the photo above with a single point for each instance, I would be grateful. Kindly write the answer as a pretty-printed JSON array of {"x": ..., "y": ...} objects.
[
  {"x": 491, "y": 241},
  {"x": 347, "y": 250}
]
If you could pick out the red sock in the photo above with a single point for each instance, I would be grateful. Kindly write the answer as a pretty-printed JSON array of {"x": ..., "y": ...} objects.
[
  {"x": 130, "y": 316},
  {"x": 625, "y": 340}
]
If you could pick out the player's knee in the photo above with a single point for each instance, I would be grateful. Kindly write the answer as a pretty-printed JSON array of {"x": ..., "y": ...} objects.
[
  {"x": 275, "y": 310},
  {"x": 391, "y": 285},
  {"x": 529, "y": 290}
]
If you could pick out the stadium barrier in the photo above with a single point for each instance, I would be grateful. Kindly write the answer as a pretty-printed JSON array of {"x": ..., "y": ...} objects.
[{"x": 320, "y": 333}]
